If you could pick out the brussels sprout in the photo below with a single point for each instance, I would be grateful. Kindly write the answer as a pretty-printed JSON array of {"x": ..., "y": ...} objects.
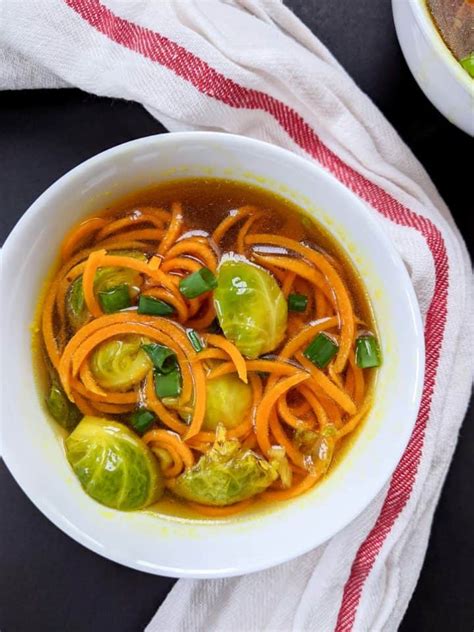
[
  {"x": 64, "y": 412},
  {"x": 113, "y": 465},
  {"x": 118, "y": 364},
  {"x": 225, "y": 475},
  {"x": 251, "y": 308},
  {"x": 106, "y": 279},
  {"x": 228, "y": 401}
]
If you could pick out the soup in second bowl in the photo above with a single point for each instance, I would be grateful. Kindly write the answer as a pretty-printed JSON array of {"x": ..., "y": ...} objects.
[
  {"x": 455, "y": 21},
  {"x": 207, "y": 342}
]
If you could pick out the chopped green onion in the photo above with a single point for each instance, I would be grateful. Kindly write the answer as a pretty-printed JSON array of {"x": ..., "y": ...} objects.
[
  {"x": 115, "y": 299},
  {"x": 297, "y": 302},
  {"x": 468, "y": 63},
  {"x": 195, "y": 340},
  {"x": 367, "y": 352},
  {"x": 154, "y": 306},
  {"x": 321, "y": 350},
  {"x": 141, "y": 420},
  {"x": 163, "y": 358},
  {"x": 197, "y": 283},
  {"x": 168, "y": 385}
]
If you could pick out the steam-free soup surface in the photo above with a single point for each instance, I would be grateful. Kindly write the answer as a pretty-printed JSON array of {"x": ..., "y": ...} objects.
[{"x": 207, "y": 347}]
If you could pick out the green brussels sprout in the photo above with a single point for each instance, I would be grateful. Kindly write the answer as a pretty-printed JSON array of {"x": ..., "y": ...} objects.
[
  {"x": 225, "y": 475},
  {"x": 64, "y": 412},
  {"x": 106, "y": 279},
  {"x": 113, "y": 465},
  {"x": 228, "y": 401},
  {"x": 120, "y": 363},
  {"x": 251, "y": 307}
]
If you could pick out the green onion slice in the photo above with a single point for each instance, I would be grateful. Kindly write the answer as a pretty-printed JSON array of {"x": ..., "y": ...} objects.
[
  {"x": 197, "y": 283},
  {"x": 141, "y": 420},
  {"x": 163, "y": 358},
  {"x": 115, "y": 299},
  {"x": 154, "y": 306},
  {"x": 195, "y": 340},
  {"x": 297, "y": 302},
  {"x": 321, "y": 350},
  {"x": 367, "y": 353},
  {"x": 168, "y": 385}
]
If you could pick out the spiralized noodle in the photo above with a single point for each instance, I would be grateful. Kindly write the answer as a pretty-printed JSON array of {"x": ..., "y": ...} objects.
[{"x": 290, "y": 394}]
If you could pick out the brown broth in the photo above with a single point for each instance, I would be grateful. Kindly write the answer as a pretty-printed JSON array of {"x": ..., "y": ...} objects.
[{"x": 206, "y": 202}]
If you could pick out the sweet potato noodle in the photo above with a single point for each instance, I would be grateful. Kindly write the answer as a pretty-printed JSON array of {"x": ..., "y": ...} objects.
[{"x": 218, "y": 357}]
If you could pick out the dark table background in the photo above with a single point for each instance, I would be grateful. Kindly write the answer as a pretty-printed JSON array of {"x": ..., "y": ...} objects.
[{"x": 50, "y": 583}]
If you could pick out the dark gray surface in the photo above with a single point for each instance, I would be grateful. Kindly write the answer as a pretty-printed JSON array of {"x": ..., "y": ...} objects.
[{"x": 47, "y": 581}]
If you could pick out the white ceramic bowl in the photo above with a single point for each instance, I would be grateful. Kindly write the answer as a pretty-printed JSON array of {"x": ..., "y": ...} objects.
[
  {"x": 446, "y": 84},
  {"x": 176, "y": 547}
]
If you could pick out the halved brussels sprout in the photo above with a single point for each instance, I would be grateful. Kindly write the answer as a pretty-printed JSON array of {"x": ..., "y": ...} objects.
[
  {"x": 228, "y": 401},
  {"x": 113, "y": 465},
  {"x": 225, "y": 475},
  {"x": 251, "y": 307},
  {"x": 64, "y": 412},
  {"x": 120, "y": 363},
  {"x": 106, "y": 279}
]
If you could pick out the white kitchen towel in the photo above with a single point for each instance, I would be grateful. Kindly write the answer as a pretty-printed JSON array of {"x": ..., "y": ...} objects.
[{"x": 251, "y": 67}]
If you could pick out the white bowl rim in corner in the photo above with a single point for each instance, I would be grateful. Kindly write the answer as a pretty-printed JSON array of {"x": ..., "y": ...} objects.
[
  {"x": 201, "y": 549},
  {"x": 429, "y": 29},
  {"x": 447, "y": 97}
]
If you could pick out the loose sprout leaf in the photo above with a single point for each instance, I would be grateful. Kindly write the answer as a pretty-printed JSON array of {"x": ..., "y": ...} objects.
[
  {"x": 279, "y": 459},
  {"x": 318, "y": 447},
  {"x": 121, "y": 363},
  {"x": 64, "y": 412},
  {"x": 228, "y": 402},
  {"x": 225, "y": 475},
  {"x": 113, "y": 465},
  {"x": 251, "y": 307}
]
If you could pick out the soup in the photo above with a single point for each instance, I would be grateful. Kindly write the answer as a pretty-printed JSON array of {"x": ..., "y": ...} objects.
[
  {"x": 455, "y": 21},
  {"x": 205, "y": 342}
]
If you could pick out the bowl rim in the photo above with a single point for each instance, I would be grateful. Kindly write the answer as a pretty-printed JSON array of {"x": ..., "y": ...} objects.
[
  {"x": 369, "y": 492},
  {"x": 428, "y": 27}
]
